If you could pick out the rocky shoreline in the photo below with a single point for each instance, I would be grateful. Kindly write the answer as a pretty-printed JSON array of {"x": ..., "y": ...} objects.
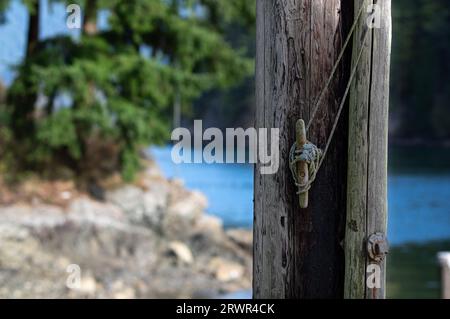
[{"x": 148, "y": 241}]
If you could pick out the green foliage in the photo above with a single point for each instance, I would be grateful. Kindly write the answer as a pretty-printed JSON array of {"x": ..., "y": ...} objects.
[
  {"x": 115, "y": 88},
  {"x": 420, "y": 77},
  {"x": 3, "y": 6}
]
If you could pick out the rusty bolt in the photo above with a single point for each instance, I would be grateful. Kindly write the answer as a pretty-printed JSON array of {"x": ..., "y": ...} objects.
[{"x": 377, "y": 247}]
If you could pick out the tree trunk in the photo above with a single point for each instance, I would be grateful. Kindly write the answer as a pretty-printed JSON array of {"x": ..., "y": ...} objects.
[
  {"x": 367, "y": 168},
  {"x": 90, "y": 18},
  {"x": 33, "y": 28},
  {"x": 298, "y": 252},
  {"x": 22, "y": 121},
  {"x": 89, "y": 29}
]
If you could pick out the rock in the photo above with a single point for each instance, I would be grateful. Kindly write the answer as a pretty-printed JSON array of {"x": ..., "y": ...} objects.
[
  {"x": 127, "y": 293},
  {"x": 225, "y": 270},
  {"x": 65, "y": 195},
  {"x": 121, "y": 291},
  {"x": 85, "y": 210},
  {"x": 153, "y": 171},
  {"x": 29, "y": 221},
  {"x": 190, "y": 206},
  {"x": 210, "y": 226},
  {"x": 88, "y": 286},
  {"x": 28, "y": 271},
  {"x": 177, "y": 182},
  {"x": 182, "y": 252},
  {"x": 183, "y": 213},
  {"x": 13, "y": 232},
  {"x": 242, "y": 237},
  {"x": 125, "y": 245},
  {"x": 142, "y": 207}
]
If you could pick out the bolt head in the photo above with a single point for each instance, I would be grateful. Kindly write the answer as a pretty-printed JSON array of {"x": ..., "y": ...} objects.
[{"x": 377, "y": 247}]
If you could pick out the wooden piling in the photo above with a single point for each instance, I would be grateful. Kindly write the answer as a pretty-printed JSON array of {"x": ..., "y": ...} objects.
[
  {"x": 298, "y": 252},
  {"x": 367, "y": 157},
  {"x": 444, "y": 261}
]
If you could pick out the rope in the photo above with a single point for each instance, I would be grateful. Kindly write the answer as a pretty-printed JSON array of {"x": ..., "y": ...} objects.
[
  {"x": 310, "y": 153},
  {"x": 335, "y": 67},
  {"x": 347, "y": 90}
]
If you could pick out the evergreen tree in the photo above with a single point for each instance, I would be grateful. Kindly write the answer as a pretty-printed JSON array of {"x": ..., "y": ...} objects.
[
  {"x": 420, "y": 84},
  {"x": 89, "y": 105}
]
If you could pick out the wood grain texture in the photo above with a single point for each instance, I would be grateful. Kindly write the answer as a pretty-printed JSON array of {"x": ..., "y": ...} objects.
[
  {"x": 355, "y": 234},
  {"x": 444, "y": 261},
  {"x": 367, "y": 152},
  {"x": 378, "y": 135},
  {"x": 298, "y": 252}
]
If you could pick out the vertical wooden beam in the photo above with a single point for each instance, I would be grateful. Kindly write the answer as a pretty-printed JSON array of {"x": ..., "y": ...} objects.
[
  {"x": 270, "y": 218},
  {"x": 367, "y": 152},
  {"x": 444, "y": 261},
  {"x": 355, "y": 234},
  {"x": 378, "y": 135},
  {"x": 298, "y": 252}
]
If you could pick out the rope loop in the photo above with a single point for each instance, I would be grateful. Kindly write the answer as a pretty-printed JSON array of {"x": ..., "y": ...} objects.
[{"x": 309, "y": 154}]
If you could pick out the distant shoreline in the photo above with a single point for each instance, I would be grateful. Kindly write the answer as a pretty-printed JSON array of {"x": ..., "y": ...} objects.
[{"x": 393, "y": 141}]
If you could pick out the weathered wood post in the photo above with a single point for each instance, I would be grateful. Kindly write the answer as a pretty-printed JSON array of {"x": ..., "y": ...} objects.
[
  {"x": 444, "y": 261},
  {"x": 365, "y": 241},
  {"x": 298, "y": 252}
]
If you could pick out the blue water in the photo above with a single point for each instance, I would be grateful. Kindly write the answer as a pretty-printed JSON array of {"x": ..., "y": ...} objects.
[
  {"x": 419, "y": 202},
  {"x": 419, "y": 208}
]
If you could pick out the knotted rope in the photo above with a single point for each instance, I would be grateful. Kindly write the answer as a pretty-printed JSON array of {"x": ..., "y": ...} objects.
[{"x": 310, "y": 154}]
